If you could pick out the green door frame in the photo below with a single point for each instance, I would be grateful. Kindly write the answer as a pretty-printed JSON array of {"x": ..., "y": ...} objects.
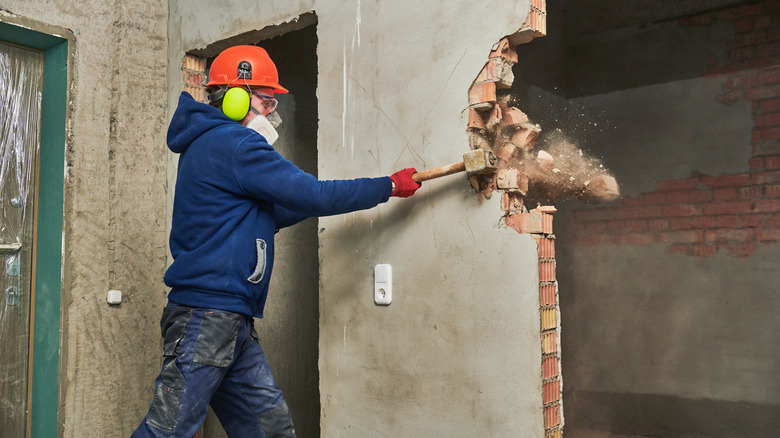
[{"x": 48, "y": 273}]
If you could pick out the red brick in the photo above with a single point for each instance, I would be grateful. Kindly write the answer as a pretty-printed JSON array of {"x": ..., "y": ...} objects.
[
  {"x": 704, "y": 222},
  {"x": 771, "y": 119},
  {"x": 550, "y": 368},
  {"x": 731, "y": 97},
  {"x": 676, "y": 197},
  {"x": 658, "y": 224},
  {"x": 476, "y": 121},
  {"x": 547, "y": 271},
  {"x": 596, "y": 227},
  {"x": 631, "y": 201},
  {"x": 637, "y": 212},
  {"x": 616, "y": 226},
  {"x": 729, "y": 221},
  {"x": 767, "y": 206},
  {"x": 768, "y": 77},
  {"x": 772, "y": 163},
  {"x": 767, "y": 92},
  {"x": 681, "y": 223},
  {"x": 679, "y": 248},
  {"x": 755, "y": 136},
  {"x": 482, "y": 96},
  {"x": 740, "y": 179},
  {"x": 636, "y": 225},
  {"x": 547, "y": 295},
  {"x": 704, "y": 250},
  {"x": 513, "y": 116},
  {"x": 766, "y": 177},
  {"x": 769, "y": 105},
  {"x": 549, "y": 343},
  {"x": 752, "y": 220},
  {"x": 546, "y": 247},
  {"x": 638, "y": 238},
  {"x": 728, "y": 194},
  {"x": 752, "y": 192},
  {"x": 680, "y": 210},
  {"x": 678, "y": 184},
  {"x": 742, "y": 249},
  {"x": 774, "y": 220},
  {"x": 727, "y": 235},
  {"x": 654, "y": 198},
  {"x": 682, "y": 236},
  {"x": 504, "y": 50},
  {"x": 736, "y": 207},
  {"x": 551, "y": 391},
  {"x": 756, "y": 164},
  {"x": 552, "y": 416},
  {"x": 770, "y": 134},
  {"x": 768, "y": 235},
  {"x": 700, "y": 195},
  {"x": 772, "y": 191}
]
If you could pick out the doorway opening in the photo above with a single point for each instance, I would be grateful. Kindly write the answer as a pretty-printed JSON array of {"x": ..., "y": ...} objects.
[{"x": 289, "y": 332}]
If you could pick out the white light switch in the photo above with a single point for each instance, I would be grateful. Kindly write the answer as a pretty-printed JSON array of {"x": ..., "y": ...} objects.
[
  {"x": 383, "y": 284},
  {"x": 114, "y": 297}
]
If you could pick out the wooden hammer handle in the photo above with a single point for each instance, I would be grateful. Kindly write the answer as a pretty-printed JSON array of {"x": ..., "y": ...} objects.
[{"x": 438, "y": 172}]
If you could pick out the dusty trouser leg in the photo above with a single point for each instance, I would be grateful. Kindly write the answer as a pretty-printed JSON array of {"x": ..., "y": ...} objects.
[
  {"x": 199, "y": 346},
  {"x": 248, "y": 403}
]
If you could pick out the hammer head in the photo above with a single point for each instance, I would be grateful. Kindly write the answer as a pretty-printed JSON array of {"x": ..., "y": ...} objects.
[{"x": 479, "y": 161}]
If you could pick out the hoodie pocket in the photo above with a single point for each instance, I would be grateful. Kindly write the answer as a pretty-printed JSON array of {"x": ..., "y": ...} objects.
[{"x": 259, "y": 273}]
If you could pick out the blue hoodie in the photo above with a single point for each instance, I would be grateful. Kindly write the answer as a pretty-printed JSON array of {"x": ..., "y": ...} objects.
[{"x": 233, "y": 191}]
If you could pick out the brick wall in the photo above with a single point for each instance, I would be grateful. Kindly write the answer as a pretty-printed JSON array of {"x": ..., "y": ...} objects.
[
  {"x": 194, "y": 71},
  {"x": 704, "y": 214}
]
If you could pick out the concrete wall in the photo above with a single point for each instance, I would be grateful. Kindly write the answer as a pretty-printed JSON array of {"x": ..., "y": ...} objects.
[
  {"x": 457, "y": 352},
  {"x": 114, "y": 214},
  {"x": 669, "y": 295}
]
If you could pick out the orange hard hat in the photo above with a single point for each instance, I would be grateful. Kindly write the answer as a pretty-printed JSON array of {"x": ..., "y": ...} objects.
[{"x": 245, "y": 65}]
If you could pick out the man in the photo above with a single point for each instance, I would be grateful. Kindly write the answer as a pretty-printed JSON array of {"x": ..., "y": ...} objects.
[{"x": 233, "y": 192}]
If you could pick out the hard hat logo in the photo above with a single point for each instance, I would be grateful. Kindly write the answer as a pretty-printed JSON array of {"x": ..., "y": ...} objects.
[{"x": 244, "y": 70}]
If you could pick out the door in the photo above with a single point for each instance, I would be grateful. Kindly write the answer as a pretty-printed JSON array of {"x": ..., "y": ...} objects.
[{"x": 21, "y": 72}]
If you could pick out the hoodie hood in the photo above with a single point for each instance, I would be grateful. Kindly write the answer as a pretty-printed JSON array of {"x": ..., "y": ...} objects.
[{"x": 191, "y": 120}]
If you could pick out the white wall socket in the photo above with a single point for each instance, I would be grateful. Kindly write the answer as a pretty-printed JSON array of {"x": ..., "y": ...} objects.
[{"x": 383, "y": 284}]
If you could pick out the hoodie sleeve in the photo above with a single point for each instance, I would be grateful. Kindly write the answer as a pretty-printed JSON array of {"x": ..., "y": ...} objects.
[
  {"x": 263, "y": 173},
  {"x": 286, "y": 218}
]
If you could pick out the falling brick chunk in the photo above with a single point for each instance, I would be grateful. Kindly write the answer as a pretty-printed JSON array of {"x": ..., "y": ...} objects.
[{"x": 601, "y": 188}]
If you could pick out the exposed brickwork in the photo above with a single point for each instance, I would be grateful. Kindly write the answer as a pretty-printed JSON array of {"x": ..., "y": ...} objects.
[
  {"x": 703, "y": 214},
  {"x": 538, "y": 223},
  {"x": 194, "y": 70},
  {"x": 507, "y": 132}
]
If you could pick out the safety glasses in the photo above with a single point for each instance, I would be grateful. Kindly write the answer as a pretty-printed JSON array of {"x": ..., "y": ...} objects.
[{"x": 268, "y": 100}]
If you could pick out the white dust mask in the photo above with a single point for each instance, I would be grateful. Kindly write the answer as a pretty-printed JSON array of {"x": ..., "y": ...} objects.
[{"x": 262, "y": 126}]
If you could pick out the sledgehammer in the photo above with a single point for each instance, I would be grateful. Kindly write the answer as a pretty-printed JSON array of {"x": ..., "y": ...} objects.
[{"x": 474, "y": 162}]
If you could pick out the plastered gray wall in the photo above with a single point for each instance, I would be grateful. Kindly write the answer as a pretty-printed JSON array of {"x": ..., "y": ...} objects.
[
  {"x": 114, "y": 232},
  {"x": 457, "y": 352}
]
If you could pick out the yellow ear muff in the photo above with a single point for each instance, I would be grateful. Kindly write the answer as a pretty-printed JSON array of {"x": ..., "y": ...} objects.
[{"x": 235, "y": 104}]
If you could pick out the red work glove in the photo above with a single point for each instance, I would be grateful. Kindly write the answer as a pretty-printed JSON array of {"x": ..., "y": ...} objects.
[{"x": 405, "y": 186}]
